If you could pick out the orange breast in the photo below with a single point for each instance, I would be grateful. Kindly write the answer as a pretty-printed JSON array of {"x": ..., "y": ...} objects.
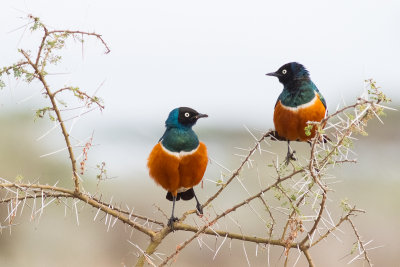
[
  {"x": 175, "y": 170},
  {"x": 290, "y": 122}
]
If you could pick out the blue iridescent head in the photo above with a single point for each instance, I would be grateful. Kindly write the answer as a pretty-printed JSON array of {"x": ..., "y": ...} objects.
[
  {"x": 289, "y": 72},
  {"x": 183, "y": 117}
]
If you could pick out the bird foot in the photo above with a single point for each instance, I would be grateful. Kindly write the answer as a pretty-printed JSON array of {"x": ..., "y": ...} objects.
[
  {"x": 290, "y": 156},
  {"x": 171, "y": 222},
  {"x": 199, "y": 208}
]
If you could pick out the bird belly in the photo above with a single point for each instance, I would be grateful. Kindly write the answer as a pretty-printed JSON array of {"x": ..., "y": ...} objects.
[
  {"x": 164, "y": 168},
  {"x": 193, "y": 166},
  {"x": 177, "y": 171},
  {"x": 290, "y": 122}
]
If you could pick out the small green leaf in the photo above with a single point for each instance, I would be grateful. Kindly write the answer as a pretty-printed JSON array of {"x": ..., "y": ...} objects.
[
  {"x": 308, "y": 129},
  {"x": 354, "y": 248},
  {"x": 345, "y": 205}
]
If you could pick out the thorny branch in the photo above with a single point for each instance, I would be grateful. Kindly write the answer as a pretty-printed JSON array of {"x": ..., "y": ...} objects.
[
  {"x": 51, "y": 41},
  {"x": 226, "y": 212},
  {"x": 301, "y": 184},
  {"x": 360, "y": 243},
  {"x": 237, "y": 171},
  {"x": 53, "y": 190},
  {"x": 351, "y": 212},
  {"x": 59, "y": 118}
]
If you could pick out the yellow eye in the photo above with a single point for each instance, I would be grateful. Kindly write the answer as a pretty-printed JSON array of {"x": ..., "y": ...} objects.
[{"x": 284, "y": 71}]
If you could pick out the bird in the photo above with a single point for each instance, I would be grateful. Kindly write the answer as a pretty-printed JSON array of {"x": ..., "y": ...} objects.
[
  {"x": 299, "y": 102},
  {"x": 179, "y": 160}
]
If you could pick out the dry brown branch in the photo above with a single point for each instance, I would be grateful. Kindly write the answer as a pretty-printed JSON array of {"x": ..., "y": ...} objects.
[
  {"x": 237, "y": 171},
  {"x": 271, "y": 229},
  {"x": 59, "y": 118},
  {"x": 130, "y": 213},
  {"x": 308, "y": 257},
  {"x": 45, "y": 195},
  {"x": 341, "y": 220},
  {"x": 316, "y": 222},
  {"x": 82, "y": 95},
  {"x": 98, "y": 36},
  {"x": 295, "y": 210},
  {"x": 360, "y": 242},
  {"x": 86, "y": 199},
  {"x": 226, "y": 212}
]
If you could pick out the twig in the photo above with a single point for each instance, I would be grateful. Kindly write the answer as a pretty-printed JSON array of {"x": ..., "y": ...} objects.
[
  {"x": 308, "y": 257},
  {"x": 237, "y": 171},
  {"x": 59, "y": 119},
  {"x": 360, "y": 243},
  {"x": 226, "y": 212},
  {"x": 98, "y": 36}
]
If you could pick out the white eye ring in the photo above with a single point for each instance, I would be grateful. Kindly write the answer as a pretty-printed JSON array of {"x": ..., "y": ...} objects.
[
  {"x": 284, "y": 71},
  {"x": 187, "y": 114}
]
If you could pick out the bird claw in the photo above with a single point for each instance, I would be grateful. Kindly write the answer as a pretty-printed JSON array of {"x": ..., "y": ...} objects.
[
  {"x": 171, "y": 222},
  {"x": 290, "y": 156},
  {"x": 199, "y": 208}
]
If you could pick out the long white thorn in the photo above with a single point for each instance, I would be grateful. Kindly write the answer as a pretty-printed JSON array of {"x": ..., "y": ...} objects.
[
  {"x": 48, "y": 132},
  {"x": 76, "y": 212}
]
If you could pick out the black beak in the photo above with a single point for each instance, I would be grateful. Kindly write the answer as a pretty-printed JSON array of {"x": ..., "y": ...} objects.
[
  {"x": 273, "y": 74},
  {"x": 198, "y": 116}
]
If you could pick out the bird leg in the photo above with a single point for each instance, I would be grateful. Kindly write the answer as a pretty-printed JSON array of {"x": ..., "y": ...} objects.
[
  {"x": 198, "y": 205},
  {"x": 323, "y": 139},
  {"x": 172, "y": 219},
  {"x": 289, "y": 155}
]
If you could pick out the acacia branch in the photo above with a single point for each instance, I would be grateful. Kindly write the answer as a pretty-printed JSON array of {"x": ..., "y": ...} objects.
[
  {"x": 316, "y": 222},
  {"x": 270, "y": 215},
  {"x": 348, "y": 129},
  {"x": 294, "y": 210},
  {"x": 98, "y": 36},
  {"x": 45, "y": 195},
  {"x": 237, "y": 236},
  {"x": 87, "y": 199},
  {"x": 226, "y": 212},
  {"x": 115, "y": 213},
  {"x": 360, "y": 102},
  {"x": 81, "y": 95},
  {"x": 39, "y": 73},
  {"x": 341, "y": 220},
  {"x": 129, "y": 213},
  {"x": 59, "y": 119},
  {"x": 308, "y": 257},
  {"x": 7, "y": 69},
  {"x": 237, "y": 171},
  {"x": 360, "y": 243}
]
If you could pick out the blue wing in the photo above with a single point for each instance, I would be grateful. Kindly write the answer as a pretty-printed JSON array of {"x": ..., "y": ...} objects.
[{"x": 320, "y": 95}]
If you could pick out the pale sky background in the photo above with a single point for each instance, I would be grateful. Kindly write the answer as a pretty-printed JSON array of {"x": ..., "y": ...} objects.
[{"x": 212, "y": 55}]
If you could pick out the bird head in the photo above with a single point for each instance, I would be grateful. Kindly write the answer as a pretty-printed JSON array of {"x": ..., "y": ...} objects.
[
  {"x": 289, "y": 72},
  {"x": 183, "y": 117}
]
